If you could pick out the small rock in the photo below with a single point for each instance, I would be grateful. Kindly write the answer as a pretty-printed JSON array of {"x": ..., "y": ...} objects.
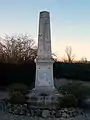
[
  {"x": 45, "y": 113},
  {"x": 58, "y": 114},
  {"x": 64, "y": 115},
  {"x": 65, "y": 109}
]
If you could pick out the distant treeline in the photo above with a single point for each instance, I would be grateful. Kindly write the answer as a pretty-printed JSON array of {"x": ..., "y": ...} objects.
[
  {"x": 25, "y": 73},
  {"x": 13, "y": 73},
  {"x": 77, "y": 71}
]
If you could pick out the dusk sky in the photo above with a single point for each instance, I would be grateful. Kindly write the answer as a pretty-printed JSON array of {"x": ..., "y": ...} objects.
[{"x": 70, "y": 22}]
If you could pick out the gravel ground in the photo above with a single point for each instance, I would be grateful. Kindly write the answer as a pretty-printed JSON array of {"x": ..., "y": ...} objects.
[{"x": 7, "y": 116}]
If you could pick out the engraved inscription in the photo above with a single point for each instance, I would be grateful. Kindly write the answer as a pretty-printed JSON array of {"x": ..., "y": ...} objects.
[{"x": 44, "y": 77}]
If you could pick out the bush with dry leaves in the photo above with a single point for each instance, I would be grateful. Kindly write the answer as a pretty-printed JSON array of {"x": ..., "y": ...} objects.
[{"x": 17, "y": 49}]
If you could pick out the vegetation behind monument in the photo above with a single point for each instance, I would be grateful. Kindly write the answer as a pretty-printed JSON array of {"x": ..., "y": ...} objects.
[{"x": 17, "y": 55}]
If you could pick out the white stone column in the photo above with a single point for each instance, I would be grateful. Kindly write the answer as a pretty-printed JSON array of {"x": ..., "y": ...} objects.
[
  {"x": 44, "y": 35},
  {"x": 44, "y": 62}
]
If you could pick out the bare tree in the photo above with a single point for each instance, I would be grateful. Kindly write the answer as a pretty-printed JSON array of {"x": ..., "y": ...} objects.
[
  {"x": 17, "y": 49},
  {"x": 83, "y": 60},
  {"x": 70, "y": 56}
]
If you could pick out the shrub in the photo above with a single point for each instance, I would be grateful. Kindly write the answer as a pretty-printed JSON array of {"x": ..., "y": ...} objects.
[
  {"x": 17, "y": 98},
  {"x": 17, "y": 93},
  {"x": 77, "y": 89},
  {"x": 68, "y": 100},
  {"x": 17, "y": 87},
  {"x": 73, "y": 92}
]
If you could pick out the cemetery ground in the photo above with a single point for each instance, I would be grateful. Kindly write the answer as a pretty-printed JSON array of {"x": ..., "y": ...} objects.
[
  {"x": 8, "y": 116},
  {"x": 13, "y": 112}
]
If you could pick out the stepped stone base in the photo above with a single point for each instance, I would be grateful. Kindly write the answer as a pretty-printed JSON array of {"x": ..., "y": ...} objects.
[{"x": 43, "y": 98}]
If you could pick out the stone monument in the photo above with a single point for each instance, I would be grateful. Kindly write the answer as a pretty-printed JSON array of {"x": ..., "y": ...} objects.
[
  {"x": 44, "y": 92},
  {"x": 44, "y": 61}
]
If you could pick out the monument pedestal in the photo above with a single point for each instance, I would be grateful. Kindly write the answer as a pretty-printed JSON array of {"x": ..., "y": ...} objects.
[{"x": 44, "y": 95}]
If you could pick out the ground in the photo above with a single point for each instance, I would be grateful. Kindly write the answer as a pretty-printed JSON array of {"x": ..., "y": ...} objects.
[{"x": 7, "y": 116}]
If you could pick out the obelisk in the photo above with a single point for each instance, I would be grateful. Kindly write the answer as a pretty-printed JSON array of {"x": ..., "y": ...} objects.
[
  {"x": 44, "y": 93},
  {"x": 44, "y": 62}
]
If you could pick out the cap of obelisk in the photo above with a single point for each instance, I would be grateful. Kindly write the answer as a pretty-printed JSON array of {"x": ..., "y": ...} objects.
[{"x": 44, "y": 35}]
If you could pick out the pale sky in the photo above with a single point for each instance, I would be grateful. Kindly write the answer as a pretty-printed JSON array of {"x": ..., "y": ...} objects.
[{"x": 70, "y": 22}]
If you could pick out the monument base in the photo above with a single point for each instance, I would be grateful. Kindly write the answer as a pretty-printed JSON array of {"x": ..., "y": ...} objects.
[{"x": 43, "y": 98}]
